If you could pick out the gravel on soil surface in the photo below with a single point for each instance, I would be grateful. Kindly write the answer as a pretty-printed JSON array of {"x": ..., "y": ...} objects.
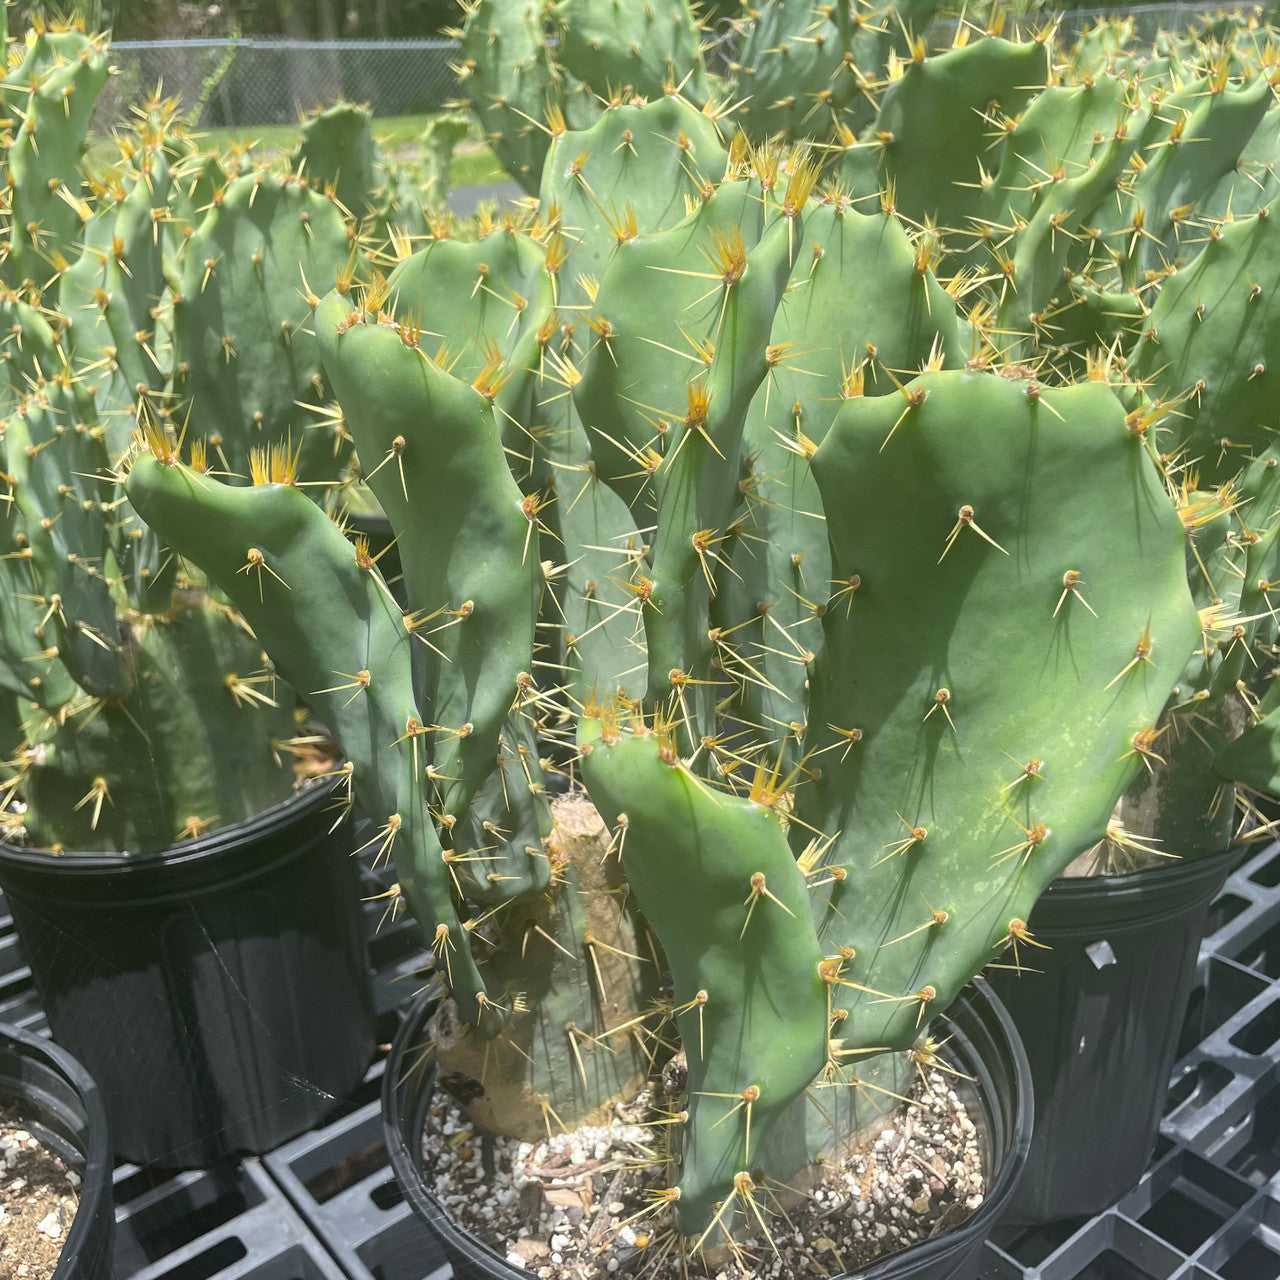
[
  {"x": 38, "y": 1199},
  {"x": 581, "y": 1205}
]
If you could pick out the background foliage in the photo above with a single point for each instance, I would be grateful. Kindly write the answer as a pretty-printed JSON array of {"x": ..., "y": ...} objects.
[{"x": 298, "y": 19}]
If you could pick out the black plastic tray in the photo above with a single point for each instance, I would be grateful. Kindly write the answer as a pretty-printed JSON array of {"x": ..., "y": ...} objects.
[
  {"x": 228, "y": 1223},
  {"x": 340, "y": 1180},
  {"x": 1208, "y": 1207}
]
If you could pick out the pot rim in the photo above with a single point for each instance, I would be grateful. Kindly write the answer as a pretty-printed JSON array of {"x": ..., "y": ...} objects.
[
  {"x": 1079, "y": 907},
  {"x": 1146, "y": 879},
  {"x": 213, "y": 863},
  {"x": 219, "y": 840}
]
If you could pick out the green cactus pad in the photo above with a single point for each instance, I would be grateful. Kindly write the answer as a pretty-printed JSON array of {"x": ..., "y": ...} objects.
[
  {"x": 932, "y": 128},
  {"x": 840, "y": 323},
  {"x": 180, "y": 754},
  {"x": 244, "y": 350},
  {"x": 49, "y": 100},
  {"x": 613, "y": 45},
  {"x": 515, "y": 88},
  {"x": 1209, "y": 346},
  {"x": 468, "y": 543},
  {"x": 634, "y": 171},
  {"x": 714, "y": 876},
  {"x": 334, "y": 633},
  {"x": 993, "y": 670},
  {"x": 337, "y": 154}
]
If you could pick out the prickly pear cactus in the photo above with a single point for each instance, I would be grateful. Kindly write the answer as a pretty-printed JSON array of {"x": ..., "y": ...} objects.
[
  {"x": 48, "y": 96},
  {"x": 149, "y": 714},
  {"x": 285, "y": 564},
  {"x": 337, "y": 154},
  {"x": 750, "y": 996},
  {"x": 610, "y": 45},
  {"x": 789, "y": 443},
  {"x": 140, "y": 711},
  {"x": 246, "y": 364},
  {"x": 514, "y": 86}
]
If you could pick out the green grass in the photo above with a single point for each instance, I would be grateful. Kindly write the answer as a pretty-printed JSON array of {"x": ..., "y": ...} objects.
[
  {"x": 473, "y": 162},
  {"x": 476, "y": 166}
]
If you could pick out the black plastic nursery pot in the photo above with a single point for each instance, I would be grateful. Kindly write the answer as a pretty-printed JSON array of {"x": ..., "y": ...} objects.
[
  {"x": 1100, "y": 1012},
  {"x": 61, "y": 1107},
  {"x": 217, "y": 991},
  {"x": 983, "y": 1046}
]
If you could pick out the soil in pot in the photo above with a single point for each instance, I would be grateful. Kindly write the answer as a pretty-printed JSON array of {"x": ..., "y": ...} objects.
[
  {"x": 38, "y": 1200},
  {"x": 432, "y": 1060},
  {"x": 582, "y": 1204}
]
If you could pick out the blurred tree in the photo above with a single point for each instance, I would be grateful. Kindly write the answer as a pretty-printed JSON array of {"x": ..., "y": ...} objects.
[
  {"x": 299, "y": 19},
  {"x": 330, "y": 19}
]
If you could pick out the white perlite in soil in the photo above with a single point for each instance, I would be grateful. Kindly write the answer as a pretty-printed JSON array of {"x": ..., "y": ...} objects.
[
  {"x": 581, "y": 1205},
  {"x": 38, "y": 1199}
]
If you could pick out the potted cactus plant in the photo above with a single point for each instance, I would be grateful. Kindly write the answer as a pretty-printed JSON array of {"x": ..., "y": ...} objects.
[
  {"x": 860, "y": 640},
  {"x": 1094, "y": 208},
  {"x": 164, "y": 860}
]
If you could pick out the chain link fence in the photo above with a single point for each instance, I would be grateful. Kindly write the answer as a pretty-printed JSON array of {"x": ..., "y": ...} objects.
[
  {"x": 1148, "y": 21},
  {"x": 254, "y": 81},
  {"x": 251, "y": 82}
]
